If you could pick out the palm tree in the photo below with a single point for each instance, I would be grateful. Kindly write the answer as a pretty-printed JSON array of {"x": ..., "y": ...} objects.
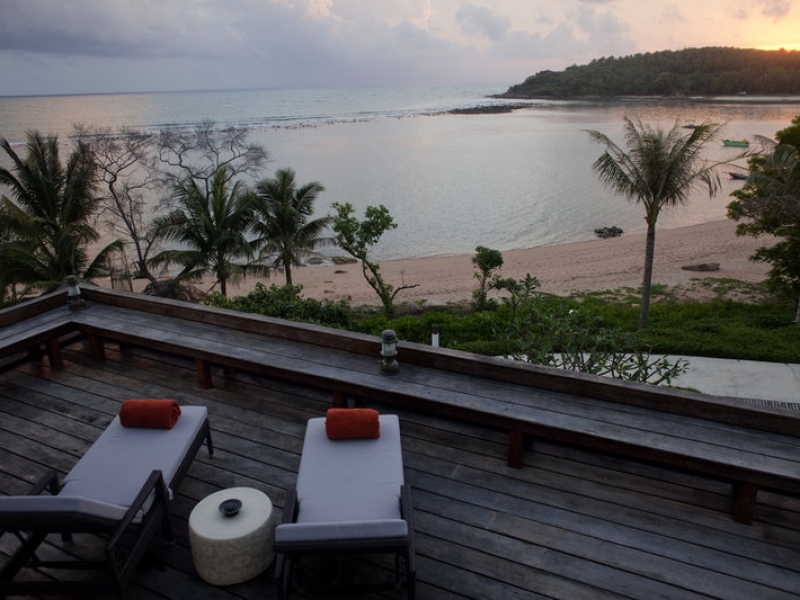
[
  {"x": 212, "y": 230},
  {"x": 659, "y": 170},
  {"x": 48, "y": 215},
  {"x": 282, "y": 213}
]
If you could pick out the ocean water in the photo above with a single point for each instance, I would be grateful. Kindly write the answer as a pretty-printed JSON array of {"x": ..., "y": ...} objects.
[{"x": 451, "y": 181}]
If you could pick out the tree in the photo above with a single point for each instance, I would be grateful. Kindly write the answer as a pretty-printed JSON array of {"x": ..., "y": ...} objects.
[
  {"x": 485, "y": 260},
  {"x": 357, "y": 237},
  {"x": 126, "y": 169},
  {"x": 200, "y": 153},
  {"x": 8, "y": 289},
  {"x": 282, "y": 212},
  {"x": 212, "y": 230},
  {"x": 769, "y": 203},
  {"x": 658, "y": 171},
  {"x": 791, "y": 134},
  {"x": 49, "y": 215},
  {"x": 206, "y": 161}
]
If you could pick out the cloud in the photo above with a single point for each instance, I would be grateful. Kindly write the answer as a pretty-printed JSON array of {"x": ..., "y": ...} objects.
[
  {"x": 321, "y": 9},
  {"x": 600, "y": 24},
  {"x": 479, "y": 20},
  {"x": 777, "y": 9},
  {"x": 672, "y": 15},
  {"x": 112, "y": 28}
]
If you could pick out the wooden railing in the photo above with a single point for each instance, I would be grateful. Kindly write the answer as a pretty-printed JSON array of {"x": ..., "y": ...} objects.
[{"x": 722, "y": 409}]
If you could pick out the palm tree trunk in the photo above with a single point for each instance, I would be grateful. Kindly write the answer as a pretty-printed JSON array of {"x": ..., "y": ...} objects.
[
  {"x": 649, "y": 253},
  {"x": 288, "y": 268}
]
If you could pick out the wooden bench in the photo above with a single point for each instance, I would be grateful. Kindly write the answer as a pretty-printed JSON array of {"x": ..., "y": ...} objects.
[
  {"x": 751, "y": 446},
  {"x": 35, "y": 328}
]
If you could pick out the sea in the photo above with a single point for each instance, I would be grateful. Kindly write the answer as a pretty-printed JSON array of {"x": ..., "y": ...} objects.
[{"x": 450, "y": 181}]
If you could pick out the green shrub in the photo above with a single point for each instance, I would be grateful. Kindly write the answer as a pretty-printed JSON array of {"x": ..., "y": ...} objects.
[
  {"x": 546, "y": 330},
  {"x": 455, "y": 328},
  {"x": 286, "y": 302},
  {"x": 484, "y": 347}
]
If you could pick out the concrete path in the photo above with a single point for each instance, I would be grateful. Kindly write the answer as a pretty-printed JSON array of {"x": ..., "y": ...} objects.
[{"x": 742, "y": 379}]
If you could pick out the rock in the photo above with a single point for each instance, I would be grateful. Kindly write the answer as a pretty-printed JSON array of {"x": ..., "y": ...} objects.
[
  {"x": 608, "y": 232},
  {"x": 701, "y": 267}
]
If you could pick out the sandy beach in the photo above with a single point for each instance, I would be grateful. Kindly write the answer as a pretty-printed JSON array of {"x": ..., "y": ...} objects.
[{"x": 585, "y": 266}]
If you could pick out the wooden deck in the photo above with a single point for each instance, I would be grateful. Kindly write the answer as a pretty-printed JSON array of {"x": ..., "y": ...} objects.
[{"x": 570, "y": 524}]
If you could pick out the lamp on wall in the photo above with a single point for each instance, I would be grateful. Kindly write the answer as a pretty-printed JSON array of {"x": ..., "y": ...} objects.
[
  {"x": 389, "y": 366},
  {"x": 74, "y": 297}
]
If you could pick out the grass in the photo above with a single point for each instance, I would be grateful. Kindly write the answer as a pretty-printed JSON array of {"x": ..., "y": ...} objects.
[
  {"x": 719, "y": 329},
  {"x": 712, "y": 317}
]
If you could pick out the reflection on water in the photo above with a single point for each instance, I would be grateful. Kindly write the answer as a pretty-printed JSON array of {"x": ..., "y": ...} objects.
[{"x": 451, "y": 182}]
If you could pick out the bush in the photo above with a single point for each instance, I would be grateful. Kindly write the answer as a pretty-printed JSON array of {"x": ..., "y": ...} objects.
[
  {"x": 484, "y": 347},
  {"x": 286, "y": 302},
  {"x": 454, "y": 328},
  {"x": 545, "y": 330}
]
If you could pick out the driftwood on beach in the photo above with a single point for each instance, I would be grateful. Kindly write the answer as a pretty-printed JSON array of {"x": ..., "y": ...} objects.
[{"x": 714, "y": 266}]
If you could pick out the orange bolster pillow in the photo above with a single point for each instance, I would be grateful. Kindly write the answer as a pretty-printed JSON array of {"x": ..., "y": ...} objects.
[
  {"x": 352, "y": 423},
  {"x": 156, "y": 414}
]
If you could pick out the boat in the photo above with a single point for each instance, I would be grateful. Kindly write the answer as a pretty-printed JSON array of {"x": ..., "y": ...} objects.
[
  {"x": 735, "y": 175},
  {"x": 736, "y": 143}
]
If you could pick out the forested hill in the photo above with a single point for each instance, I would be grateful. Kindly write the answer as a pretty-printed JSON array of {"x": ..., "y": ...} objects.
[{"x": 691, "y": 72}]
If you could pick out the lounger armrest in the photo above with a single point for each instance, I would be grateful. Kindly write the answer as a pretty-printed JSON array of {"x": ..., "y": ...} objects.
[
  {"x": 154, "y": 485},
  {"x": 406, "y": 506},
  {"x": 48, "y": 480},
  {"x": 290, "y": 506},
  {"x": 407, "y": 512},
  {"x": 57, "y": 514}
]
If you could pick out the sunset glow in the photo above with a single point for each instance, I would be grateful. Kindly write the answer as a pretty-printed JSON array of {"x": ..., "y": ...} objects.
[{"x": 780, "y": 47}]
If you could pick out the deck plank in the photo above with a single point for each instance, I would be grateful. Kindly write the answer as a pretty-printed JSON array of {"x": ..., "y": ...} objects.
[{"x": 571, "y": 524}]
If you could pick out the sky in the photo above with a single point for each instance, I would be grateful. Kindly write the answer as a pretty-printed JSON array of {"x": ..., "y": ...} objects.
[{"x": 107, "y": 46}]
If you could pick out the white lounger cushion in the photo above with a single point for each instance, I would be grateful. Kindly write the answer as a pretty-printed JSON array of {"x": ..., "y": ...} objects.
[
  {"x": 350, "y": 480},
  {"x": 118, "y": 464}
]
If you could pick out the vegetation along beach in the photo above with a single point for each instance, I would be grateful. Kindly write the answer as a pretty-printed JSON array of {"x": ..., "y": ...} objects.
[{"x": 592, "y": 265}]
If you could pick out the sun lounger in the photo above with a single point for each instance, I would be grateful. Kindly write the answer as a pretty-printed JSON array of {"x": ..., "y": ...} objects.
[
  {"x": 121, "y": 487},
  {"x": 350, "y": 498}
]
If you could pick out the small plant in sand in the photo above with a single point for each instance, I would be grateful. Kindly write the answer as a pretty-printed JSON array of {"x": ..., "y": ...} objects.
[
  {"x": 357, "y": 237},
  {"x": 486, "y": 261}
]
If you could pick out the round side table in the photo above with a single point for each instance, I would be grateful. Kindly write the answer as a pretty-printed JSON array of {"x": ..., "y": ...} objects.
[{"x": 232, "y": 549}]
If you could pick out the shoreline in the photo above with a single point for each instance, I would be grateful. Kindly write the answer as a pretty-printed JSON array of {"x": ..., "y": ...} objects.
[{"x": 595, "y": 265}]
